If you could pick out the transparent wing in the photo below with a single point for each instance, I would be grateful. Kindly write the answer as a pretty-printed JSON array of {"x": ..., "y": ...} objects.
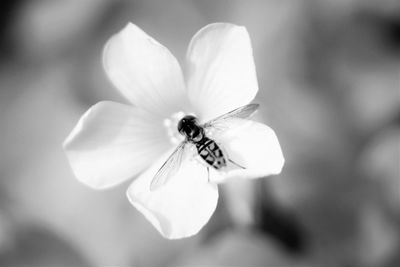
[
  {"x": 240, "y": 113},
  {"x": 169, "y": 168}
]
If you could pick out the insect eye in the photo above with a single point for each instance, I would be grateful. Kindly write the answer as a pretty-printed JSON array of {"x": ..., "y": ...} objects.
[
  {"x": 190, "y": 118},
  {"x": 180, "y": 125},
  {"x": 187, "y": 124}
]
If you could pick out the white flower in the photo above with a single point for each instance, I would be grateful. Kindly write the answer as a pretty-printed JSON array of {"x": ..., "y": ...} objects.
[{"x": 114, "y": 142}]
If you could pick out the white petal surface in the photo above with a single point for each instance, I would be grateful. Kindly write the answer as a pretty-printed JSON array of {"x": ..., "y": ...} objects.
[
  {"x": 181, "y": 207},
  {"x": 221, "y": 71},
  {"x": 144, "y": 71},
  {"x": 252, "y": 145},
  {"x": 113, "y": 142}
]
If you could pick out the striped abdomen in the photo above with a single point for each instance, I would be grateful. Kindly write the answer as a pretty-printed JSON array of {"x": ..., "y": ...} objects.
[{"x": 211, "y": 153}]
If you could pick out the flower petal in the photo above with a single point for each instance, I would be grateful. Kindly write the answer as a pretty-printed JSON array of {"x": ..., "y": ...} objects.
[
  {"x": 221, "y": 70},
  {"x": 252, "y": 145},
  {"x": 113, "y": 142},
  {"x": 181, "y": 207},
  {"x": 144, "y": 71}
]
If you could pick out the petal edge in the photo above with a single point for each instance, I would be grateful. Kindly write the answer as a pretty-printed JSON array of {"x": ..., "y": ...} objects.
[
  {"x": 221, "y": 71},
  {"x": 181, "y": 207},
  {"x": 252, "y": 145},
  {"x": 144, "y": 71},
  {"x": 113, "y": 142}
]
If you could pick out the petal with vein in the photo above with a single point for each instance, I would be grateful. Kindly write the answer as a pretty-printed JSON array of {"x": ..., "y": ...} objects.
[
  {"x": 113, "y": 142},
  {"x": 221, "y": 70},
  {"x": 254, "y": 146},
  {"x": 144, "y": 71},
  {"x": 181, "y": 207}
]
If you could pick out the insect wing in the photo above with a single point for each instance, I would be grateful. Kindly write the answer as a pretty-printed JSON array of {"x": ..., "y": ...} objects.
[
  {"x": 239, "y": 113},
  {"x": 169, "y": 168}
]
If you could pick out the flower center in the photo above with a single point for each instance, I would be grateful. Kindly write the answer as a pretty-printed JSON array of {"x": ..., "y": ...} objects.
[{"x": 171, "y": 124}]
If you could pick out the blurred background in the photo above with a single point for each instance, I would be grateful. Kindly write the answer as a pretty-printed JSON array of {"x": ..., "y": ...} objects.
[{"x": 329, "y": 76}]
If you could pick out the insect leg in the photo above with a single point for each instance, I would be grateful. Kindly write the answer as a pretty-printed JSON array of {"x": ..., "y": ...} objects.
[{"x": 240, "y": 166}]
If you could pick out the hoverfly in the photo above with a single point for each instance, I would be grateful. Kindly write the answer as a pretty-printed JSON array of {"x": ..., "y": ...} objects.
[{"x": 208, "y": 150}]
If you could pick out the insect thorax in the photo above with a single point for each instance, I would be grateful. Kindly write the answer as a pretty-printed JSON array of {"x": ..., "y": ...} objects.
[{"x": 211, "y": 153}]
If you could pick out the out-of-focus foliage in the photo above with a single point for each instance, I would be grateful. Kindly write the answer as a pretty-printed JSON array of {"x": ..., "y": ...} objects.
[{"x": 329, "y": 76}]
